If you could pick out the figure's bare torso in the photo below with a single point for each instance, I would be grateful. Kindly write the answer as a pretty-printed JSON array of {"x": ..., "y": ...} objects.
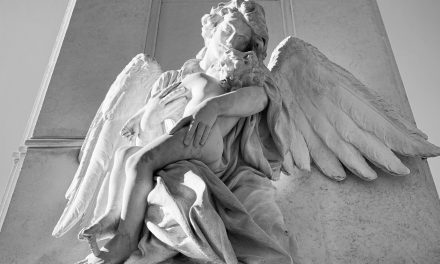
[
  {"x": 203, "y": 86},
  {"x": 200, "y": 86}
]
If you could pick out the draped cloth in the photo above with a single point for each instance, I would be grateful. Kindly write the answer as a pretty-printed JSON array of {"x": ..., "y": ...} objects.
[{"x": 228, "y": 215}]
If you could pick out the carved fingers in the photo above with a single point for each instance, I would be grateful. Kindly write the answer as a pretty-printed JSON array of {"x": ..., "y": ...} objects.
[
  {"x": 205, "y": 136},
  {"x": 199, "y": 124},
  {"x": 204, "y": 117},
  {"x": 130, "y": 129},
  {"x": 180, "y": 124},
  {"x": 190, "y": 134},
  {"x": 197, "y": 134}
]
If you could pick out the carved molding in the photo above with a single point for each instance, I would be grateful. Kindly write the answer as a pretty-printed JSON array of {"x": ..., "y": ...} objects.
[
  {"x": 54, "y": 143},
  {"x": 18, "y": 159},
  {"x": 49, "y": 70},
  {"x": 288, "y": 17},
  {"x": 19, "y": 156},
  {"x": 152, "y": 27}
]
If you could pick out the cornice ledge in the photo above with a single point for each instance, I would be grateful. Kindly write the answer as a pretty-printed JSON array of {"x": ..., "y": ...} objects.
[{"x": 54, "y": 142}]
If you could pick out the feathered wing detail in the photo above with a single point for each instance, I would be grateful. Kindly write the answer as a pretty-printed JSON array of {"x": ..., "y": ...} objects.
[
  {"x": 340, "y": 120},
  {"x": 126, "y": 96}
]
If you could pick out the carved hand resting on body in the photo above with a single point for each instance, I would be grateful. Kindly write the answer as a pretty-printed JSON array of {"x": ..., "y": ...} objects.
[
  {"x": 200, "y": 123},
  {"x": 166, "y": 104}
]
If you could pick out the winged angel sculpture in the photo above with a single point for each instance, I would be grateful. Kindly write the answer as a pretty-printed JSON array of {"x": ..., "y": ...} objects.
[{"x": 191, "y": 173}]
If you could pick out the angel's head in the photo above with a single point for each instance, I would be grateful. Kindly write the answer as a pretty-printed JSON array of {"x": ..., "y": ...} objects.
[{"x": 240, "y": 25}]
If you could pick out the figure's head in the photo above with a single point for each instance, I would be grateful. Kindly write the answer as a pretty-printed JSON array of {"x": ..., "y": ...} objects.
[
  {"x": 237, "y": 24},
  {"x": 238, "y": 69}
]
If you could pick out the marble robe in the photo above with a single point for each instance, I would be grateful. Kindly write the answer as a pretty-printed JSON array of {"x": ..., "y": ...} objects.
[{"x": 224, "y": 216}]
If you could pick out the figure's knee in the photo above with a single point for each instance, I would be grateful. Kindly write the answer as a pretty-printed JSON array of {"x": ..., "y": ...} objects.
[
  {"x": 128, "y": 157},
  {"x": 137, "y": 166},
  {"x": 131, "y": 164}
]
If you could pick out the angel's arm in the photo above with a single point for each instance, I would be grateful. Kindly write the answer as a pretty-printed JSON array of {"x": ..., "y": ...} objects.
[{"x": 241, "y": 102}]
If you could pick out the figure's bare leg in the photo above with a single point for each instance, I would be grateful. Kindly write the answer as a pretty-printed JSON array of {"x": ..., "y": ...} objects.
[
  {"x": 106, "y": 226},
  {"x": 139, "y": 172}
]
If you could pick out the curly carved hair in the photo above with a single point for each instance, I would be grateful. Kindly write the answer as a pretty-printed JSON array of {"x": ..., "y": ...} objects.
[
  {"x": 240, "y": 69},
  {"x": 253, "y": 15}
]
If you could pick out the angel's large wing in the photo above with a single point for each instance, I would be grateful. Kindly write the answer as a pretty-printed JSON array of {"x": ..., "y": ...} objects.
[
  {"x": 337, "y": 121},
  {"x": 126, "y": 95}
]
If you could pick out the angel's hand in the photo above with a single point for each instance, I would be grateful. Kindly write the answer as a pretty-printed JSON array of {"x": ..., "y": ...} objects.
[
  {"x": 130, "y": 128},
  {"x": 200, "y": 123}
]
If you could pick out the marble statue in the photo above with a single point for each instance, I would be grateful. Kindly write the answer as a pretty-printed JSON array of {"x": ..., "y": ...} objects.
[{"x": 190, "y": 173}]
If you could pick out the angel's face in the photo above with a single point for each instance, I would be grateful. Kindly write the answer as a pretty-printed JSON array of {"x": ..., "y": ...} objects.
[{"x": 233, "y": 32}]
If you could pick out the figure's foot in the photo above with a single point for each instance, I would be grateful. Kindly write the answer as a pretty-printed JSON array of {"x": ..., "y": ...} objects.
[
  {"x": 115, "y": 251},
  {"x": 104, "y": 228}
]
